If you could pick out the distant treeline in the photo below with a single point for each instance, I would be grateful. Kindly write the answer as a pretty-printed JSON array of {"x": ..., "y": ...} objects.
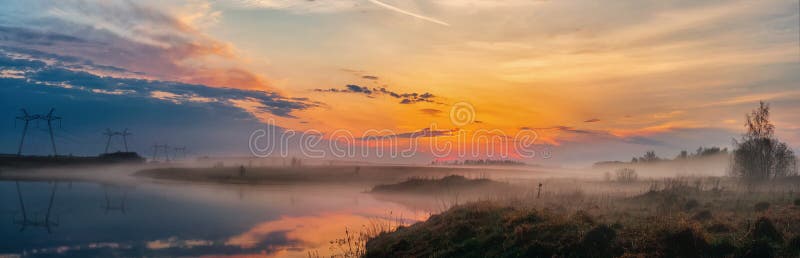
[
  {"x": 758, "y": 156},
  {"x": 478, "y": 162},
  {"x": 651, "y": 157},
  {"x": 701, "y": 152}
]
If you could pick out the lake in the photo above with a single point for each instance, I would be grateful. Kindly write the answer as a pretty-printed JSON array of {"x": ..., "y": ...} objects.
[{"x": 150, "y": 218}]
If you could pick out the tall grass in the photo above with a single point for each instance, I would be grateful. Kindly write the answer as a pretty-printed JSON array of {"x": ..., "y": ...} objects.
[{"x": 353, "y": 242}]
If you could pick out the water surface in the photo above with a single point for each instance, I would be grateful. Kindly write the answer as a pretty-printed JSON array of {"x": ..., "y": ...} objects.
[{"x": 148, "y": 218}]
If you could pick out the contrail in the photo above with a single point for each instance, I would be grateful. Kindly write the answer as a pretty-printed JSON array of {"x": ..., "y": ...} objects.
[{"x": 393, "y": 8}]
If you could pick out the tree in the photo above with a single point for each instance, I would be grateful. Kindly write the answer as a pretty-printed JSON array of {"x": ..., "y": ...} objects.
[
  {"x": 626, "y": 175},
  {"x": 650, "y": 156},
  {"x": 703, "y": 152},
  {"x": 683, "y": 155},
  {"x": 759, "y": 155}
]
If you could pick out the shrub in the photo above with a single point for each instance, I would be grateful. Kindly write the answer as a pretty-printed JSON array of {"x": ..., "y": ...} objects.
[
  {"x": 794, "y": 245},
  {"x": 582, "y": 216},
  {"x": 719, "y": 228},
  {"x": 756, "y": 249},
  {"x": 722, "y": 248},
  {"x": 684, "y": 243},
  {"x": 765, "y": 230},
  {"x": 598, "y": 241},
  {"x": 702, "y": 215},
  {"x": 761, "y": 206},
  {"x": 691, "y": 204}
]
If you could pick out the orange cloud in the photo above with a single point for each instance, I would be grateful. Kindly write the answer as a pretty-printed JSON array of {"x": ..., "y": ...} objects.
[{"x": 230, "y": 77}]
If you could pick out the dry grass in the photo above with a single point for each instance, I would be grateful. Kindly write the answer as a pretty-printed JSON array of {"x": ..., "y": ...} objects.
[{"x": 674, "y": 217}]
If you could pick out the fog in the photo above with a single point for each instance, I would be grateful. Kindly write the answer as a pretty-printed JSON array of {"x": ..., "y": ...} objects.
[{"x": 280, "y": 207}]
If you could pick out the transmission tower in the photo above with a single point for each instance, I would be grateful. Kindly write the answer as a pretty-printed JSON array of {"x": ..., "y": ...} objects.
[
  {"x": 157, "y": 147},
  {"x": 182, "y": 150},
  {"x": 50, "y": 118},
  {"x": 125, "y": 135},
  {"x": 27, "y": 220},
  {"x": 28, "y": 118},
  {"x": 111, "y": 206},
  {"x": 110, "y": 134}
]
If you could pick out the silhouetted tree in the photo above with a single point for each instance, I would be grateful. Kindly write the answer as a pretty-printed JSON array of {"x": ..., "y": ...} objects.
[
  {"x": 704, "y": 152},
  {"x": 650, "y": 156},
  {"x": 759, "y": 155},
  {"x": 626, "y": 175},
  {"x": 683, "y": 155}
]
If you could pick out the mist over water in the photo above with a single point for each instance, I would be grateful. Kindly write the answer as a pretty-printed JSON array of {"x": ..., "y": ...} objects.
[
  {"x": 141, "y": 218},
  {"x": 205, "y": 208},
  {"x": 113, "y": 211}
]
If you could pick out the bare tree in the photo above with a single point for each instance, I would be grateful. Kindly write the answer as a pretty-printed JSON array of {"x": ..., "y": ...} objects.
[
  {"x": 626, "y": 175},
  {"x": 759, "y": 155}
]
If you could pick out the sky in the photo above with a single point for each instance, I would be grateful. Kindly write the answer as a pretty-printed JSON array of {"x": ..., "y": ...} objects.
[{"x": 592, "y": 80}]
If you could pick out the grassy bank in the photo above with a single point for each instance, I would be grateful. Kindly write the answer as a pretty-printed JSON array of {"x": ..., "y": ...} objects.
[
  {"x": 440, "y": 185},
  {"x": 671, "y": 219}
]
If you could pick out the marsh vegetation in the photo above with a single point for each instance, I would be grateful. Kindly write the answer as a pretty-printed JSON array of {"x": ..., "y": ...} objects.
[{"x": 674, "y": 217}]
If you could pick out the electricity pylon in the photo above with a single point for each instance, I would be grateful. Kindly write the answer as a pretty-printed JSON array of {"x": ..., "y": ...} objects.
[
  {"x": 125, "y": 135},
  {"x": 27, "y": 221},
  {"x": 182, "y": 151},
  {"x": 157, "y": 147},
  {"x": 50, "y": 118},
  {"x": 110, "y": 134},
  {"x": 28, "y": 118},
  {"x": 109, "y": 206}
]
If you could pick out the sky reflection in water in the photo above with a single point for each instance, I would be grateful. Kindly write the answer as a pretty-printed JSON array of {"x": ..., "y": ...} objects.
[{"x": 90, "y": 219}]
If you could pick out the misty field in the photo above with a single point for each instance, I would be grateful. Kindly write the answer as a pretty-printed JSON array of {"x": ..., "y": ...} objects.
[
  {"x": 672, "y": 217},
  {"x": 645, "y": 209},
  {"x": 500, "y": 212}
]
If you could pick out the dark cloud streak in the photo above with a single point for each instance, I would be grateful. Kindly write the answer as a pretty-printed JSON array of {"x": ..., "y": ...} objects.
[
  {"x": 640, "y": 140},
  {"x": 431, "y": 111},
  {"x": 425, "y": 132},
  {"x": 41, "y": 73},
  {"x": 405, "y": 98}
]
